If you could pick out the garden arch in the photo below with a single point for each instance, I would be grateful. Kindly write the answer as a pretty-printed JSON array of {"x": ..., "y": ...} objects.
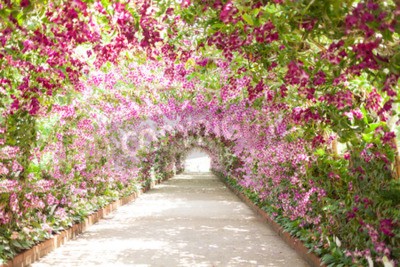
[{"x": 272, "y": 86}]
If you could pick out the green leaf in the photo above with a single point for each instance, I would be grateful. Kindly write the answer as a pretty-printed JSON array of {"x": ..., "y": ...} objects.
[
  {"x": 258, "y": 103},
  {"x": 248, "y": 19},
  {"x": 320, "y": 152},
  {"x": 105, "y": 3},
  {"x": 367, "y": 137},
  {"x": 395, "y": 64},
  {"x": 16, "y": 244},
  {"x": 365, "y": 113},
  {"x": 372, "y": 127}
]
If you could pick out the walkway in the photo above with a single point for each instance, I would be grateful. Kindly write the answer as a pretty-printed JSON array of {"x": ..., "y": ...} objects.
[{"x": 190, "y": 220}]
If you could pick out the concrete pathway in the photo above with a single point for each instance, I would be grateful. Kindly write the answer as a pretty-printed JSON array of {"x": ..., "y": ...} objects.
[{"x": 190, "y": 220}]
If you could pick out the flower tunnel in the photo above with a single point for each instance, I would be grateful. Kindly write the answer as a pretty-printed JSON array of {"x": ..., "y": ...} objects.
[
  {"x": 197, "y": 160},
  {"x": 295, "y": 102}
]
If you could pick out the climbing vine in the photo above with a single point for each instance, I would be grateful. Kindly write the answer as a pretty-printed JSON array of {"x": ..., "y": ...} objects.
[{"x": 295, "y": 101}]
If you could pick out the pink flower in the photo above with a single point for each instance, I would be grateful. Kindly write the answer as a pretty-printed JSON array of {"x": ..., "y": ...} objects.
[
  {"x": 51, "y": 200},
  {"x": 318, "y": 140},
  {"x": 386, "y": 226},
  {"x": 357, "y": 113},
  {"x": 3, "y": 170},
  {"x": 24, "y": 3},
  {"x": 388, "y": 137},
  {"x": 349, "y": 115},
  {"x": 14, "y": 104},
  {"x": 185, "y": 3},
  {"x": 61, "y": 213},
  {"x": 227, "y": 12},
  {"x": 266, "y": 33},
  {"x": 34, "y": 106},
  {"x": 296, "y": 75},
  {"x": 320, "y": 78},
  {"x": 14, "y": 235},
  {"x": 14, "y": 202}
]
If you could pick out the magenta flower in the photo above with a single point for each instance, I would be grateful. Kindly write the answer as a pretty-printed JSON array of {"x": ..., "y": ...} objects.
[
  {"x": 388, "y": 137},
  {"x": 386, "y": 226},
  {"x": 185, "y": 3},
  {"x": 227, "y": 12},
  {"x": 34, "y": 106},
  {"x": 24, "y": 3},
  {"x": 357, "y": 113}
]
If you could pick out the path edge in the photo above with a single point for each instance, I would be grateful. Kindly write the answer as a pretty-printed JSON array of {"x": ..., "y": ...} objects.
[
  {"x": 29, "y": 256},
  {"x": 310, "y": 257}
]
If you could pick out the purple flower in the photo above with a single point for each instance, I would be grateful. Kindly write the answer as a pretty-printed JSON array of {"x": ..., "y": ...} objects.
[
  {"x": 319, "y": 78},
  {"x": 185, "y": 3},
  {"x": 34, "y": 106},
  {"x": 350, "y": 215},
  {"x": 24, "y": 3},
  {"x": 386, "y": 226},
  {"x": 202, "y": 62},
  {"x": 387, "y": 137},
  {"x": 228, "y": 10},
  {"x": 357, "y": 114}
]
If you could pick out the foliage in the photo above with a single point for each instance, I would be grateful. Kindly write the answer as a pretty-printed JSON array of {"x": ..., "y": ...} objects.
[{"x": 100, "y": 97}]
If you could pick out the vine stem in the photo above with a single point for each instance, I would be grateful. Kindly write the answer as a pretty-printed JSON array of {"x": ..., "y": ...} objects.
[{"x": 309, "y": 5}]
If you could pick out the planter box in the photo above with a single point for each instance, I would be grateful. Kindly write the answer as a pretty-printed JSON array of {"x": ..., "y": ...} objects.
[
  {"x": 296, "y": 244},
  {"x": 31, "y": 255}
]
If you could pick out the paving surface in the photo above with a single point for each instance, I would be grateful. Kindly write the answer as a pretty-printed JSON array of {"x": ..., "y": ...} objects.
[{"x": 190, "y": 220}]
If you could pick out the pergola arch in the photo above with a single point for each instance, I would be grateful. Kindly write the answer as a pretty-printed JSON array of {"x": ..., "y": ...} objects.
[{"x": 94, "y": 95}]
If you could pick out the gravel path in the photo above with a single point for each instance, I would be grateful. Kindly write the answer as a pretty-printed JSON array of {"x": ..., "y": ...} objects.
[{"x": 190, "y": 220}]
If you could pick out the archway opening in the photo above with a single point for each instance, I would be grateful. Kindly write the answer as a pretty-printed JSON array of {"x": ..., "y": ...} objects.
[{"x": 197, "y": 161}]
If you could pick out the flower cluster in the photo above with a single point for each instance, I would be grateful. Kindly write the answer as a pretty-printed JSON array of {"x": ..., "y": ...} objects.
[{"x": 101, "y": 96}]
